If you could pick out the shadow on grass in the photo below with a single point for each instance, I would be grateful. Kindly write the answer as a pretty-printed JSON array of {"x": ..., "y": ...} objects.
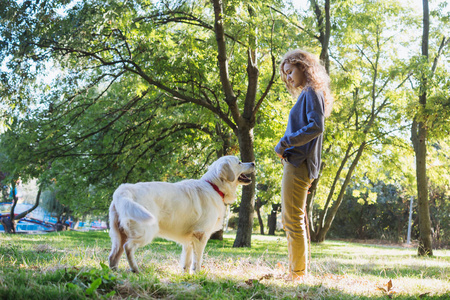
[
  {"x": 22, "y": 257},
  {"x": 199, "y": 286},
  {"x": 60, "y": 284}
]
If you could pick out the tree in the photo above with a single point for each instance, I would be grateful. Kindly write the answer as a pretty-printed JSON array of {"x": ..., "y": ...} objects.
[
  {"x": 419, "y": 137},
  {"x": 321, "y": 22},
  {"x": 122, "y": 60},
  {"x": 272, "y": 218},
  {"x": 419, "y": 134},
  {"x": 9, "y": 222},
  {"x": 258, "y": 205},
  {"x": 369, "y": 88},
  {"x": 3, "y": 187},
  {"x": 372, "y": 210},
  {"x": 51, "y": 204},
  {"x": 16, "y": 166},
  {"x": 143, "y": 92}
]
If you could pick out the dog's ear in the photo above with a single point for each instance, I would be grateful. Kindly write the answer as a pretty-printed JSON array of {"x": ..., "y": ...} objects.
[{"x": 226, "y": 172}]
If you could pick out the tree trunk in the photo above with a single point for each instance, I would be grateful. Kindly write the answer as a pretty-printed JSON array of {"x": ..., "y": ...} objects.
[
  {"x": 226, "y": 145},
  {"x": 320, "y": 224},
  {"x": 8, "y": 225},
  {"x": 310, "y": 200},
  {"x": 60, "y": 227},
  {"x": 36, "y": 204},
  {"x": 324, "y": 25},
  {"x": 3, "y": 195},
  {"x": 10, "y": 222},
  {"x": 247, "y": 207},
  {"x": 244, "y": 122},
  {"x": 272, "y": 219},
  {"x": 218, "y": 235},
  {"x": 320, "y": 235},
  {"x": 418, "y": 138},
  {"x": 61, "y": 223},
  {"x": 425, "y": 239},
  {"x": 226, "y": 138},
  {"x": 258, "y": 212}
]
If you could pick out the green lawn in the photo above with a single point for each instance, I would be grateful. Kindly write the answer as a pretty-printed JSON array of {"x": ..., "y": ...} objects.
[{"x": 71, "y": 265}]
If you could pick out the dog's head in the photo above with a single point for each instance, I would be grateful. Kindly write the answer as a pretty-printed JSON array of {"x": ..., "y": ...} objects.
[
  {"x": 233, "y": 170},
  {"x": 227, "y": 173}
]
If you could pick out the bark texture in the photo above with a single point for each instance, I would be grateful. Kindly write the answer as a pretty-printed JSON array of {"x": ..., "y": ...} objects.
[{"x": 419, "y": 139}]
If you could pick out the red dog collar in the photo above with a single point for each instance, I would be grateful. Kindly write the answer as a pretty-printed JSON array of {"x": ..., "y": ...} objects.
[{"x": 216, "y": 188}]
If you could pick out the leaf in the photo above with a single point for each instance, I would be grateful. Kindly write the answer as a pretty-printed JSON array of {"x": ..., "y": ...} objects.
[
  {"x": 79, "y": 283},
  {"x": 110, "y": 294},
  {"x": 266, "y": 276},
  {"x": 389, "y": 285},
  {"x": 94, "y": 286},
  {"x": 104, "y": 267},
  {"x": 389, "y": 290},
  {"x": 72, "y": 286},
  {"x": 251, "y": 282},
  {"x": 281, "y": 267}
]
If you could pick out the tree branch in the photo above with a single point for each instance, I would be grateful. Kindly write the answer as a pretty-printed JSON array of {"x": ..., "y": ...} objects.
[
  {"x": 268, "y": 87},
  {"x": 295, "y": 24},
  {"x": 368, "y": 59},
  {"x": 72, "y": 145},
  {"x": 180, "y": 97},
  {"x": 272, "y": 78},
  {"x": 252, "y": 85},
  {"x": 36, "y": 204},
  {"x": 444, "y": 43},
  {"x": 185, "y": 18},
  {"x": 164, "y": 134},
  {"x": 222, "y": 53}
]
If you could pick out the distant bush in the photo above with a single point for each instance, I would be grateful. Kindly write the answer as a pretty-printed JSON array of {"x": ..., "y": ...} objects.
[{"x": 387, "y": 217}]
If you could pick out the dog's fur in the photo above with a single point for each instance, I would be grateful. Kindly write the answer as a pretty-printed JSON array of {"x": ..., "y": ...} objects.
[{"x": 187, "y": 212}]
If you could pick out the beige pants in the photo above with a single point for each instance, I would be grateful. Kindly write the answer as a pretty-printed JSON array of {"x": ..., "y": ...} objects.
[{"x": 294, "y": 190}]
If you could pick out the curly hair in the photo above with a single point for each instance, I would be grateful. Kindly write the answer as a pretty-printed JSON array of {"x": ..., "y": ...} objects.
[{"x": 315, "y": 73}]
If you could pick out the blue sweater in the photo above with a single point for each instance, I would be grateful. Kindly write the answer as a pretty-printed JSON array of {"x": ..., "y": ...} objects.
[{"x": 303, "y": 138}]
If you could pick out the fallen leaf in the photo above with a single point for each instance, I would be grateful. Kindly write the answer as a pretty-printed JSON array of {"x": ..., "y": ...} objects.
[
  {"x": 389, "y": 285},
  {"x": 250, "y": 282},
  {"x": 389, "y": 290},
  {"x": 281, "y": 267},
  {"x": 266, "y": 276}
]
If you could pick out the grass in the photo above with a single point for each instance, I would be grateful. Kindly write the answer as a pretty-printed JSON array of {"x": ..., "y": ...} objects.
[{"x": 71, "y": 265}]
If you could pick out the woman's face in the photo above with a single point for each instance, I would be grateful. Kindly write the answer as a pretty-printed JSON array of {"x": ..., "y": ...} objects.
[{"x": 294, "y": 75}]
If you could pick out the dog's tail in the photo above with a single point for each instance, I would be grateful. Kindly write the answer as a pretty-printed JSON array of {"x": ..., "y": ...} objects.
[{"x": 127, "y": 207}]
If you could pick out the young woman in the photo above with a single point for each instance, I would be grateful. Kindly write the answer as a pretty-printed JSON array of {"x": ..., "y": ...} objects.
[{"x": 300, "y": 148}]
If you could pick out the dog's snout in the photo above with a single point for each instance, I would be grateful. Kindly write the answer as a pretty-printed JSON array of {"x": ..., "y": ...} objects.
[{"x": 252, "y": 164}]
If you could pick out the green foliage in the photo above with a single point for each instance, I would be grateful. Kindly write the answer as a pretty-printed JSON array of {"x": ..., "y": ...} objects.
[
  {"x": 440, "y": 213},
  {"x": 369, "y": 83},
  {"x": 386, "y": 217},
  {"x": 96, "y": 282},
  {"x": 135, "y": 91},
  {"x": 383, "y": 218}
]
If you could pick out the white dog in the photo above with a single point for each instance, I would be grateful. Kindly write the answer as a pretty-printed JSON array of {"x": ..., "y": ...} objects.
[{"x": 187, "y": 212}]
